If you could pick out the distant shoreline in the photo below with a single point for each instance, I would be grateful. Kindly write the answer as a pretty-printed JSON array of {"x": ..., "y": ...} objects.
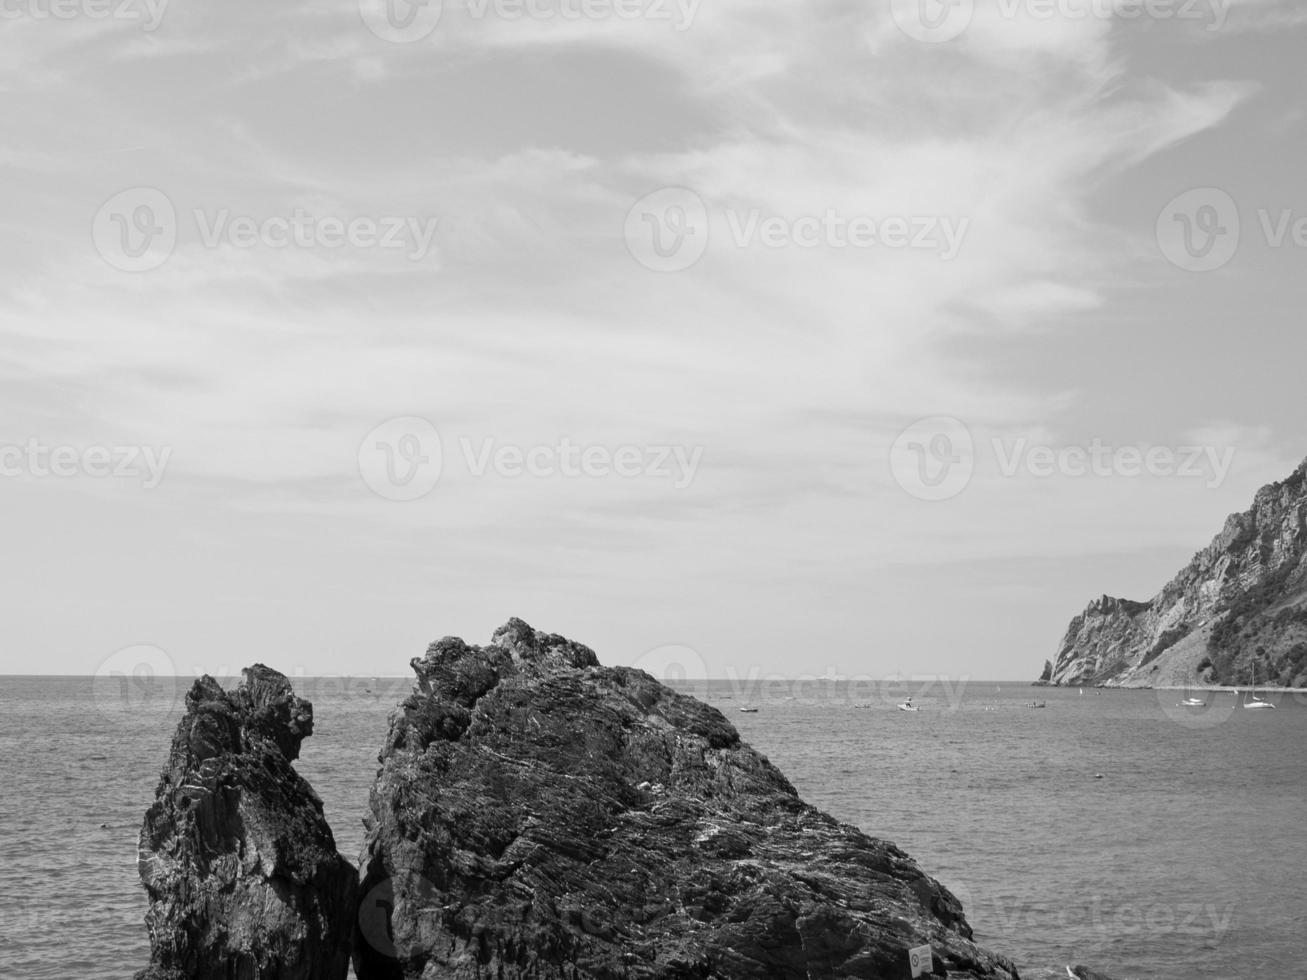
[{"x": 1261, "y": 689}]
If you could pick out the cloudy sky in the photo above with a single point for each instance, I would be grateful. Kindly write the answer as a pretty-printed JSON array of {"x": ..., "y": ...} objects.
[{"x": 737, "y": 335}]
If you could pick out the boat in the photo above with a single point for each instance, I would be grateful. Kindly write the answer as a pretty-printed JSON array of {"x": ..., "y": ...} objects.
[
  {"x": 1189, "y": 701},
  {"x": 1037, "y": 704},
  {"x": 1253, "y": 700},
  {"x": 749, "y": 711},
  {"x": 907, "y": 706},
  {"x": 1083, "y": 973}
]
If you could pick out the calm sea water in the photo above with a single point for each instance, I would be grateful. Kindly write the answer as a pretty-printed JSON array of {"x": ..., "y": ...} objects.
[{"x": 1187, "y": 859}]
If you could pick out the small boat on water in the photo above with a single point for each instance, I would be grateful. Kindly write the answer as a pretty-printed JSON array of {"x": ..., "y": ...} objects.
[
  {"x": 907, "y": 706},
  {"x": 749, "y": 711},
  {"x": 1189, "y": 701},
  {"x": 1037, "y": 704},
  {"x": 1253, "y": 700}
]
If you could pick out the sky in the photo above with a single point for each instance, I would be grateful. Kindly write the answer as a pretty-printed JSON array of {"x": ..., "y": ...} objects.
[{"x": 730, "y": 338}]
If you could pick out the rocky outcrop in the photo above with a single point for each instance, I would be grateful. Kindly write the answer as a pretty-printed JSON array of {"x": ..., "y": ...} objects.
[
  {"x": 1238, "y": 610},
  {"x": 242, "y": 872},
  {"x": 538, "y": 815}
]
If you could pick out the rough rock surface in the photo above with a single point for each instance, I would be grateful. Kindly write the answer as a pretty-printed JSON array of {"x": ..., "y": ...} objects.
[
  {"x": 1238, "y": 608},
  {"x": 538, "y": 815},
  {"x": 242, "y": 872}
]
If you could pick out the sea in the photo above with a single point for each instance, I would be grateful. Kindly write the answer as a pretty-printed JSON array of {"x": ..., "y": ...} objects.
[{"x": 1110, "y": 828}]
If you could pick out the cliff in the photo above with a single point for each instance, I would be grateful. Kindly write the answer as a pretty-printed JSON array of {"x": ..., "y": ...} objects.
[
  {"x": 538, "y": 815},
  {"x": 1239, "y": 607},
  {"x": 241, "y": 869}
]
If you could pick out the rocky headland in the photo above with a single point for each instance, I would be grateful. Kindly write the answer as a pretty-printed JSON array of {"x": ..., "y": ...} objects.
[
  {"x": 535, "y": 815},
  {"x": 538, "y": 815},
  {"x": 1236, "y": 612},
  {"x": 241, "y": 869}
]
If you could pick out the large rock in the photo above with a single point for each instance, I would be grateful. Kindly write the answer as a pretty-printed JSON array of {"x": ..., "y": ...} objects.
[
  {"x": 242, "y": 871},
  {"x": 1236, "y": 612},
  {"x": 538, "y": 815}
]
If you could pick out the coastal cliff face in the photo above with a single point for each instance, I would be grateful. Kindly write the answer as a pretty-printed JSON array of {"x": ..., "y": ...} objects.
[
  {"x": 538, "y": 815},
  {"x": 241, "y": 868},
  {"x": 1238, "y": 610}
]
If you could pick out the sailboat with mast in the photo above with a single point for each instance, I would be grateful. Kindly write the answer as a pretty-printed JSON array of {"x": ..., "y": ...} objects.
[
  {"x": 1253, "y": 700},
  {"x": 1190, "y": 701}
]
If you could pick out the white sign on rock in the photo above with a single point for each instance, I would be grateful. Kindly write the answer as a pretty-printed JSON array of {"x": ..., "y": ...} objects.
[{"x": 922, "y": 960}]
